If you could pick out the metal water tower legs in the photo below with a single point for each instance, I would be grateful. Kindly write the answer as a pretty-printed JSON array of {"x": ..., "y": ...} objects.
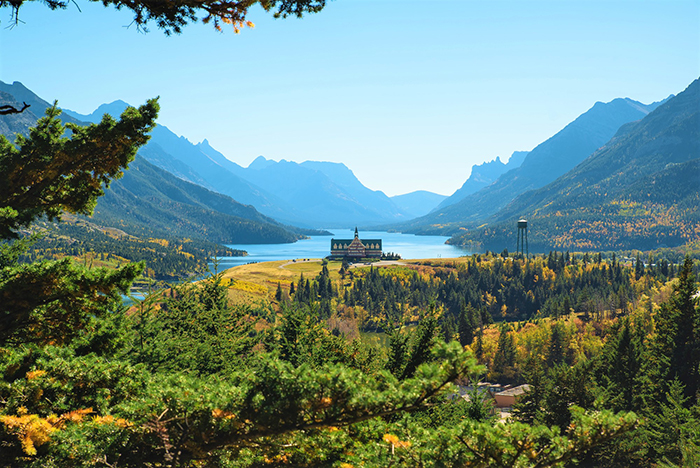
[{"x": 522, "y": 245}]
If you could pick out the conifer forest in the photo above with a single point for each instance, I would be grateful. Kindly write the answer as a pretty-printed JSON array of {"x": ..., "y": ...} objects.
[{"x": 371, "y": 363}]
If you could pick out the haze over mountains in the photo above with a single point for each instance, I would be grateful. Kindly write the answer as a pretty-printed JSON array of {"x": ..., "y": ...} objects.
[
  {"x": 619, "y": 159},
  {"x": 549, "y": 160},
  {"x": 311, "y": 194},
  {"x": 418, "y": 203}
]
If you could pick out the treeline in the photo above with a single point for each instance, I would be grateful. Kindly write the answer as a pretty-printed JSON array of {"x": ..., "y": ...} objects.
[
  {"x": 484, "y": 289},
  {"x": 166, "y": 259}
]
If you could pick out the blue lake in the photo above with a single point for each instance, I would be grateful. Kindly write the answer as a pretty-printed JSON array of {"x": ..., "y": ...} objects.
[{"x": 408, "y": 246}]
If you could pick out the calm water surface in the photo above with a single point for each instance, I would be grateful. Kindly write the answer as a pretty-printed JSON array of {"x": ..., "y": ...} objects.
[{"x": 408, "y": 246}]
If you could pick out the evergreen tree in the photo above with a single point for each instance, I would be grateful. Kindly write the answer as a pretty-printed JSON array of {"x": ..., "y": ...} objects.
[
  {"x": 278, "y": 293},
  {"x": 479, "y": 345},
  {"x": 557, "y": 345},
  {"x": 638, "y": 267},
  {"x": 504, "y": 359},
  {"x": 466, "y": 325},
  {"x": 685, "y": 313},
  {"x": 44, "y": 175}
]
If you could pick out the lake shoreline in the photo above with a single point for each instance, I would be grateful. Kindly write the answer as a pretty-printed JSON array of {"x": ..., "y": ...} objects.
[{"x": 409, "y": 246}]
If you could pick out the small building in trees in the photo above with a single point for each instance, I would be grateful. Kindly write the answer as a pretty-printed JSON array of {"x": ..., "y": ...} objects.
[
  {"x": 356, "y": 248},
  {"x": 510, "y": 396}
]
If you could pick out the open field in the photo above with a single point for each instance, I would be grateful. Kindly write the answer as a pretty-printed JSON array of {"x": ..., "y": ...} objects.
[{"x": 256, "y": 282}]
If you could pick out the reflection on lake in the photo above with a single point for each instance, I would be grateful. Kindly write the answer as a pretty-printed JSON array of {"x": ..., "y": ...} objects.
[{"x": 409, "y": 246}]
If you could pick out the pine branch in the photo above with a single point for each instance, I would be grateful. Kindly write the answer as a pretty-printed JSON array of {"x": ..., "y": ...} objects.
[{"x": 7, "y": 109}]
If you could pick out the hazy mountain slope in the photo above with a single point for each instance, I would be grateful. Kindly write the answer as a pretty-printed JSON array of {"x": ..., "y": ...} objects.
[
  {"x": 418, "y": 203},
  {"x": 37, "y": 105},
  {"x": 157, "y": 156},
  {"x": 325, "y": 194},
  {"x": 149, "y": 200},
  {"x": 342, "y": 176},
  {"x": 220, "y": 159},
  {"x": 319, "y": 198},
  {"x": 190, "y": 162},
  {"x": 483, "y": 175},
  {"x": 216, "y": 175},
  {"x": 640, "y": 190},
  {"x": 549, "y": 160}
]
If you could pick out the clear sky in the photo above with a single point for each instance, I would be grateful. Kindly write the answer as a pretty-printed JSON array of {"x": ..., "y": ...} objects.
[{"x": 408, "y": 94}]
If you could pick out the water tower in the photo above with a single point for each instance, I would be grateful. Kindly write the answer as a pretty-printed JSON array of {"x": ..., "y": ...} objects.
[{"x": 522, "y": 246}]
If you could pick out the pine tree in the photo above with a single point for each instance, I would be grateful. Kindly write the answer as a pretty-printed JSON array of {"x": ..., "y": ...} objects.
[
  {"x": 466, "y": 325},
  {"x": 685, "y": 312},
  {"x": 638, "y": 267},
  {"x": 557, "y": 345},
  {"x": 45, "y": 174},
  {"x": 278, "y": 293}
]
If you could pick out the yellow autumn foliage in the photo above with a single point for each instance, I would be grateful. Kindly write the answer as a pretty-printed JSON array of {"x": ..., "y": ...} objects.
[
  {"x": 33, "y": 431},
  {"x": 247, "y": 287},
  {"x": 30, "y": 429}
]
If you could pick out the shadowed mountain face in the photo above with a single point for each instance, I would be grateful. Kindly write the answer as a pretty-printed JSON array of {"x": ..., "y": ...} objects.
[
  {"x": 640, "y": 190},
  {"x": 149, "y": 200},
  {"x": 483, "y": 175},
  {"x": 13, "y": 124},
  {"x": 542, "y": 165}
]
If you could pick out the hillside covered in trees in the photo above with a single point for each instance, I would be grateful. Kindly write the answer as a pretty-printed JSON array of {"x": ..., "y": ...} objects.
[
  {"x": 583, "y": 330},
  {"x": 641, "y": 190},
  {"x": 348, "y": 367}
]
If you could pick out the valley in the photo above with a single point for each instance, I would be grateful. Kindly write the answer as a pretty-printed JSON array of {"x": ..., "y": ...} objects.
[{"x": 164, "y": 304}]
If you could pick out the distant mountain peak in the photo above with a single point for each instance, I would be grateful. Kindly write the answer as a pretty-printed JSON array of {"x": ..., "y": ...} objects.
[
  {"x": 114, "y": 108},
  {"x": 483, "y": 175},
  {"x": 261, "y": 163}
]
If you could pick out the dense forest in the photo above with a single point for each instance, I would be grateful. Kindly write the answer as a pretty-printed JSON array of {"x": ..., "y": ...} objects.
[
  {"x": 181, "y": 378},
  {"x": 490, "y": 287},
  {"x": 583, "y": 331}
]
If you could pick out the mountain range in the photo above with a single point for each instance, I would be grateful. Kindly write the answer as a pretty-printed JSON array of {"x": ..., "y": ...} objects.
[
  {"x": 311, "y": 194},
  {"x": 640, "y": 190},
  {"x": 547, "y": 161},
  {"x": 622, "y": 175},
  {"x": 149, "y": 201}
]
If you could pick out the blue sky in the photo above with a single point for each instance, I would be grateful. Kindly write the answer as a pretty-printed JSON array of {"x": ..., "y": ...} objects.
[{"x": 408, "y": 94}]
